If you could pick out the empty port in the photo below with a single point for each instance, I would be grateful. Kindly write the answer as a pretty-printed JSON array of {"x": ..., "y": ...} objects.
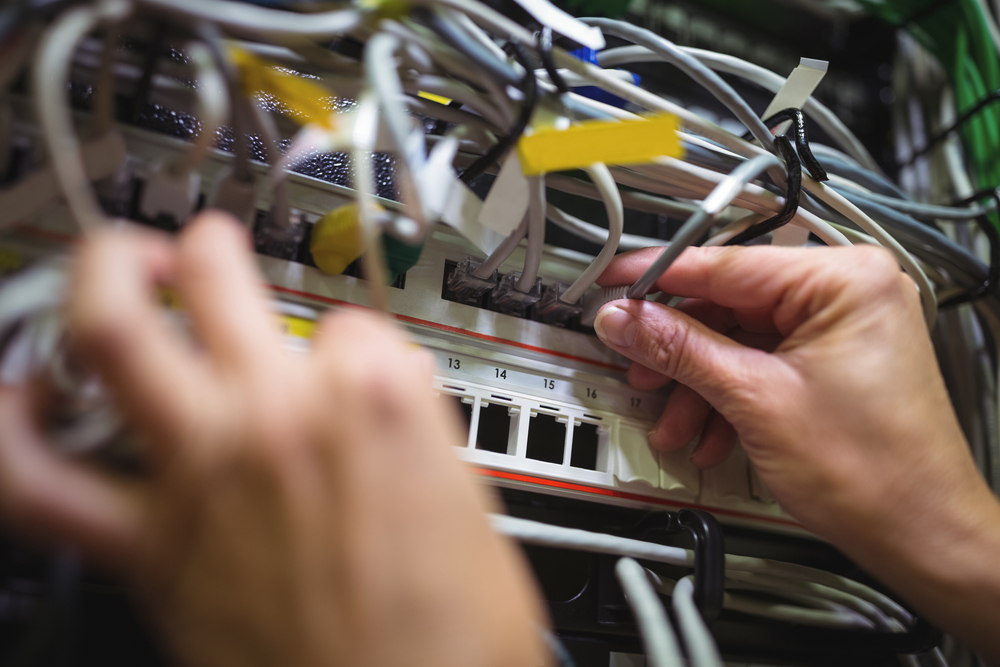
[
  {"x": 464, "y": 410},
  {"x": 546, "y": 439},
  {"x": 493, "y": 433},
  {"x": 584, "y": 447}
]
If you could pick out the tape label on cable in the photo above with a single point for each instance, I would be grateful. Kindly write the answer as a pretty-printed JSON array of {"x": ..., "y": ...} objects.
[
  {"x": 303, "y": 99},
  {"x": 590, "y": 142}
]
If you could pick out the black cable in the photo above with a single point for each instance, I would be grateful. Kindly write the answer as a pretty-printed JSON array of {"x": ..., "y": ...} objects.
[
  {"x": 545, "y": 51},
  {"x": 480, "y": 56},
  {"x": 798, "y": 120},
  {"x": 962, "y": 120},
  {"x": 530, "y": 87},
  {"x": 993, "y": 274},
  {"x": 794, "y": 168}
]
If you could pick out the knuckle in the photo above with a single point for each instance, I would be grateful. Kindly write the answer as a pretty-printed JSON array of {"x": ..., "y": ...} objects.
[{"x": 670, "y": 348}]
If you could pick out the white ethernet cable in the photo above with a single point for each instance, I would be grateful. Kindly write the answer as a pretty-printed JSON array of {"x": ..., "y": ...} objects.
[
  {"x": 536, "y": 233},
  {"x": 213, "y": 106},
  {"x": 601, "y": 176},
  {"x": 837, "y": 202},
  {"x": 50, "y": 72},
  {"x": 251, "y": 19},
  {"x": 827, "y": 615},
  {"x": 694, "y": 68},
  {"x": 765, "y": 78},
  {"x": 701, "y": 648},
  {"x": 365, "y": 132},
  {"x": 502, "y": 252},
  {"x": 595, "y": 234},
  {"x": 409, "y": 143},
  {"x": 542, "y": 534},
  {"x": 807, "y": 591},
  {"x": 658, "y": 636}
]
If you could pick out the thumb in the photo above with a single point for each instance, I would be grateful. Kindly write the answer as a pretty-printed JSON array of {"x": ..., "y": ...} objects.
[{"x": 680, "y": 347}]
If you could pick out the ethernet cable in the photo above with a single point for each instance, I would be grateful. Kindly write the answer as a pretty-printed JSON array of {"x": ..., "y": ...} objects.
[
  {"x": 51, "y": 70},
  {"x": 536, "y": 233},
  {"x": 548, "y": 535},
  {"x": 241, "y": 18},
  {"x": 657, "y": 634},
  {"x": 819, "y": 613},
  {"x": 365, "y": 131},
  {"x": 857, "y": 216},
  {"x": 701, "y": 648},
  {"x": 502, "y": 252},
  {"x": 765, "y": 78},
  {"x": 697, "y": 225},
  {"x": 595, "y": 234},
  {"x": 213, "y": 106},
  {"x": 601, "y": 177},
  {"x": 695, "y": 69},
  {"x": 385, "y": 85}
]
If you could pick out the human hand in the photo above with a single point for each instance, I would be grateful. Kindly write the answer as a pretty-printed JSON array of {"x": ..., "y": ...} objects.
[
  {"x": 300, "y": 509},
  {"x": 819, "y": 360}
]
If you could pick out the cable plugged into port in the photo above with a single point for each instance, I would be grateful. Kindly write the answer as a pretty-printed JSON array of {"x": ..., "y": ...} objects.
[{"x": 500, "y": 294}]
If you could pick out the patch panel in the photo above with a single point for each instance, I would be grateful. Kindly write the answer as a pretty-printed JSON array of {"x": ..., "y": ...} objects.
[{"x": 547, "y": 406}]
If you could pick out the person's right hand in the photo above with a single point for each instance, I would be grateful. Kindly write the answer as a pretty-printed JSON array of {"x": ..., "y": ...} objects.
[{"x": 819, "y": 360}]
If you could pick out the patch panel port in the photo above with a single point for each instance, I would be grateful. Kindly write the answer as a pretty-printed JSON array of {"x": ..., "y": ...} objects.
[
  {"x": 546, "y": 438},
  {"x": 586, "y": 446},
  {"x": 494, "y": 429}
]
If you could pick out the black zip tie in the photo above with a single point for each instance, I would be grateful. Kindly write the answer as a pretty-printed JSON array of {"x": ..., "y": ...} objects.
[
  {"x": 993, "y": 274},
  {"x": 530, "y": 87},
  {"x": 545, "y": 51},
  {"x": 794, "y": 169},
  {"x": 801, "y": 140},
  {"x": 962, "y": 120}
]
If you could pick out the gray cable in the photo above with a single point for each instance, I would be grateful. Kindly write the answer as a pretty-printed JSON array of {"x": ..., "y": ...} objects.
[
  {"x": 694, "y": 68},
  {"x": 605, "y": 183},
  {"x": 658, "y": 638},
  {"x": 765, "y": 78},
  {"x": 698, "y": 224},
  {"x": 243, "y": 18},
  {"x": 502, "y": 252},
  {"x": 536, "y": 233},
  {"x": 701, "y": 648},
  {"x": 595, "y": 234}
]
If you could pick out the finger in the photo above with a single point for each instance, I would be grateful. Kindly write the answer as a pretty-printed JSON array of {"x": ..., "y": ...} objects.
[
  {"x": 683, "y": 417},
  {"x": 49, "y": 498},
  {"x": 718, "y": 439},
  {"x": 117, "y": 328},
  {"x": 757, "y": 320},
  {"x": 645, "y": 379},
  {"x": 768, "y": 342},
  {"x": 223, "y": 291},
  {"x": 716, "y": 317},
  {"x": 382, "y": 380},
  {"x": 802, "y": 281},
  {"x": 678, "y": 346}
]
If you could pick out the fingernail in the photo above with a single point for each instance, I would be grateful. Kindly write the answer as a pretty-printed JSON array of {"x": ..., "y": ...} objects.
[{"x": 615, "y": 327}]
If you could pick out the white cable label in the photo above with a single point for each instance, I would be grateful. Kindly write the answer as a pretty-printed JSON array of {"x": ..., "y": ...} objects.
[
  {"x": 548, "y": 14},
  {"x": 507, "y": 201}
]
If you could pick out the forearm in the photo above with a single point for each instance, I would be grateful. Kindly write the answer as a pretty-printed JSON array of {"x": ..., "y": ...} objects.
[{"x": 946, "y": 568}]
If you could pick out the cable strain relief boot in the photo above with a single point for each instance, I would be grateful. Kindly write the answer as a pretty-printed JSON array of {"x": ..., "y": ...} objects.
[{"x": 593, "y": 301}]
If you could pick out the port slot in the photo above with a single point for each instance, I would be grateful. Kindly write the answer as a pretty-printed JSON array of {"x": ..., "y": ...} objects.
[
  {"x": 463, "y": 409},
  {"x": 585, "y": 446},
  {"x": 546, "y": 439},
  {"x": 494, "y": 429}
]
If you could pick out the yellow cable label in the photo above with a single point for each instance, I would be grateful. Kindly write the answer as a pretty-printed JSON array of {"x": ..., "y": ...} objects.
[
  {"x": 440, "y": 99},
  {"x": 303, "y": 99},
  {"x": 296, "y": 326},
  {"x": 581, "y": 145}
]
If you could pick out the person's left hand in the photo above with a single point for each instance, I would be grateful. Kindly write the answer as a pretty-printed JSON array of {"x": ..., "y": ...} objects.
[{"x": 300, "y": 509}]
